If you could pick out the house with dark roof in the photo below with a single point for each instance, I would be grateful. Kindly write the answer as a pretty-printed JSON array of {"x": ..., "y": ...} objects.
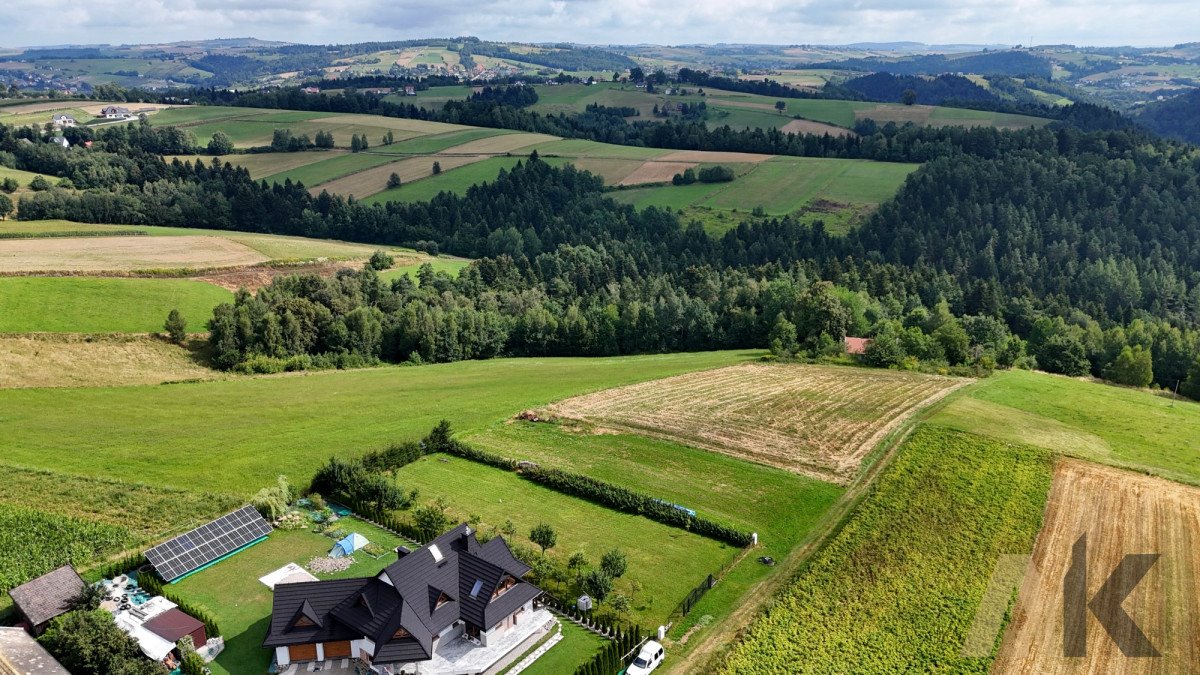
[
  {"x": 173, "y": 624},
  {"x": 452, "y": 590},
  {"x": 115, "y": 112},
  {"x": 51, "y": 595}
]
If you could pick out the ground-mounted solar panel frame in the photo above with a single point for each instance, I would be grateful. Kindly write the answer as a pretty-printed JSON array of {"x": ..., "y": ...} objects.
[{"x": 192, "y": 550}]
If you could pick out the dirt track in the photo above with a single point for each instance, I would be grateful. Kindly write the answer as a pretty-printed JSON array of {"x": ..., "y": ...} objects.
[{"x": 1121, "y": 512}]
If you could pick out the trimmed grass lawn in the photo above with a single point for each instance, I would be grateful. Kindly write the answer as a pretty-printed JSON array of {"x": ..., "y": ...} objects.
[
  {"x": 241, "y": 605},
  {"x": 455, "y": 181},
  {"x": 667, "y": 561},
  {"x": 781, "y": 506},
  {"x": 575, "y": 648},
  {"x": 1100, "y": 422},
  {"x": 238, "y": 434},
  {"x": 102, "y": 305}
]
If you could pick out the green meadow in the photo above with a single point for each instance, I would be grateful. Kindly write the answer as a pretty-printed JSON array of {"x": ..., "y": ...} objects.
[
  {"x": 455, "y": 181},
  {"x": 237, "y": 434},
  {"x": 103, "y": 305}
]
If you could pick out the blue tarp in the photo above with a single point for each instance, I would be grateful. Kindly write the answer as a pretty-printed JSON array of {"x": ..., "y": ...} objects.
[{"x": 349, "y": 544}]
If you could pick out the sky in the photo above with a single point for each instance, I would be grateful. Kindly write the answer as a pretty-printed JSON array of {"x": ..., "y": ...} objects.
[{"x": 1080, "y": 22}]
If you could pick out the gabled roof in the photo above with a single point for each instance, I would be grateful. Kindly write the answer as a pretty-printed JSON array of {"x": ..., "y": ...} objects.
[
  {"x": 49, "y": 595},
  {"x": 173, "y": 624},
  {"x": 411, "y": 601}
]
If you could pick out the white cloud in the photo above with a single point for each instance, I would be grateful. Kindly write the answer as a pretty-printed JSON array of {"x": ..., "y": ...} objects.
[{"x": 1150, "y": 22}]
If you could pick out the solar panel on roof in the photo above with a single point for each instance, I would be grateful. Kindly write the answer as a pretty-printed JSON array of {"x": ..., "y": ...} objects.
[{"x": 199, "y": 547}]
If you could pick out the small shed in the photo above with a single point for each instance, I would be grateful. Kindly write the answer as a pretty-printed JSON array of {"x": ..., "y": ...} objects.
[
  {"x": 174, "y": 624},
  {"x": 857, "y": 346},
  {"x": 48, "y": 596},
  {"x": 349, "y": 544}
]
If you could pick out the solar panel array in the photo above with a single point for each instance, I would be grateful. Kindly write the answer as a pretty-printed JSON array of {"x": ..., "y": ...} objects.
[{"x": 195, "y": 549}]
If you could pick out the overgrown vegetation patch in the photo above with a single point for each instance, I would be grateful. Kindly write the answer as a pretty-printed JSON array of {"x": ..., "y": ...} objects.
[{"x": 896, "y": 590}]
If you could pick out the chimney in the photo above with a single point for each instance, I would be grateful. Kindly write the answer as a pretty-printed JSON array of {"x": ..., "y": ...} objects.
[{"x": 402, "y": 551}]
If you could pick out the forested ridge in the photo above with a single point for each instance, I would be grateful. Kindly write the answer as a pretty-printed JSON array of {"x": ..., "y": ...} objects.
[{"x": 1056, "y": 245}]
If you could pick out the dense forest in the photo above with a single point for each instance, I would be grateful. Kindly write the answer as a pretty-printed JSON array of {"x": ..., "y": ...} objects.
[
  {"x": 1096, "y": 248},
  {"x": 926, "y": 90},
  {"x": 1177, "y": 117},
  {"x": 1015, "y": 63}
]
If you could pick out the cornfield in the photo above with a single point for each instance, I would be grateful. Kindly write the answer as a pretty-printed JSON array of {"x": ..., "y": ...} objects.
[{"x": 36, "y": 543}]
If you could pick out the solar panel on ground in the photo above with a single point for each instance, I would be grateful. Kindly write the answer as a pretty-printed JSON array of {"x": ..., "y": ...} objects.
[{"x": 192, "y": 550}]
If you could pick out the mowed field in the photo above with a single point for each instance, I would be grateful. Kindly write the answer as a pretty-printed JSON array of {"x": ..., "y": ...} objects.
[
  {"x": 837, "y": 191},
  {"x": 65, "y": 284},
  {"x": 1120, "y": 513},
  {"x": 819, "y": 421},
  {"x": 1103, "y": 423},
  {"x": 238, "y": 434},
  {"x": 104, "y": 254},
  {"x": 897, "y": 588},
  {"x": 103, "y": 305},
  {"x": 95, "y": 361}
]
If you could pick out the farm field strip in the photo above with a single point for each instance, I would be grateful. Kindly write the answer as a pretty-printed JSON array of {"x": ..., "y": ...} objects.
[
  {"x": 102, "y": 304},
  {"x": 896, "y": 589},
  {"x": 264, "y": 164},
  {"x": 1120, "y": 512},
  {"x": 819, "y": 421},
  {"x": 374, "y": 180},
  {"x": 240, "y": 432},
  {"x": 71, "y": 361},
  {"x": 655, "y": 172},
  {"x": 102, "y": 254}
]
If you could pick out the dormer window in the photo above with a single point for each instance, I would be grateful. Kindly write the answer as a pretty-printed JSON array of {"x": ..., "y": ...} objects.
[
  {"x": 442, "y": 599},
  {"x": 362, "y": 602},
  {"x": 400, "y": 634},
  {"x": 303, "y": 622},
  {"x": 506, "y": 583}
]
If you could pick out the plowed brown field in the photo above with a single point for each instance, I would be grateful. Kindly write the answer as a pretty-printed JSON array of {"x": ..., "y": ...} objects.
[
  {"x": 815, "y": 420},
  {"x": 1121, "y": 512}
]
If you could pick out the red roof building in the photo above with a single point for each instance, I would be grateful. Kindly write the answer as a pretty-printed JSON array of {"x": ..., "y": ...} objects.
[
  {"x": 174, "y": 624},
  {"x": 856, "y": 345}
]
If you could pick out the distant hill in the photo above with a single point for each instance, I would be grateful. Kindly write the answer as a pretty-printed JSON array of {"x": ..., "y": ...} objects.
[
  {"x": 930, "y": 91},
  {"x": 1177, "y": 117},
  {"x": 1010, "y": 62}
]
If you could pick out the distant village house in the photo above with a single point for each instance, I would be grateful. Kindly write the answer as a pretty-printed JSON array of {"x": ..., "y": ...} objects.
[
  {"x": 115, "y": 112},
  {"x": 63, "y": 121}
]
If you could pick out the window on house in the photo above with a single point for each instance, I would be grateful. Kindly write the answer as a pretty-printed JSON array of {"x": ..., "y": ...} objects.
[
  {"x": 303, "y": 622},
  {"x": 401, "y": 634},
  {"x": 442, "y": 599},
  {"x": 506, "y": 583}
]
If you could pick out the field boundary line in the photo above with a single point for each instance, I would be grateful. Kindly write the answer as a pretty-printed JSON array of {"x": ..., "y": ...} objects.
[{"x": 757, "y": 598}]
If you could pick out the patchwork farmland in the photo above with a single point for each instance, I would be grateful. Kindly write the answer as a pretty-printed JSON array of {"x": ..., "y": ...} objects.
[
  {"x": 1119, "y": 512},
  {"x": 820, "y": 421}
]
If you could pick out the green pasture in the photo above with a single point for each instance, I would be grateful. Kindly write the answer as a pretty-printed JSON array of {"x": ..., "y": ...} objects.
[
  {"x": 454, "y": 180},
  {"x": 103, "y": 305}
]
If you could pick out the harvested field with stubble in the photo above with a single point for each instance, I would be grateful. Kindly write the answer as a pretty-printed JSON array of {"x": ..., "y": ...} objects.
[
  {"x": 656, "y": 172},
  {"x": 103, "y": 254},
  {"x": 820, "y": 421},
  {"x": 1121, "y": 512},
  {"x": 94, "y": 361},
  {"x": 712, "y": 156},
  {"x": 818, "y": 128}
]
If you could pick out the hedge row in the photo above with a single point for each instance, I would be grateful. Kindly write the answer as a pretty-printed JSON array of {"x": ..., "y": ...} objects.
[
  {"x": 71, "y": 233},
  {"x": 598, "y": 491}
]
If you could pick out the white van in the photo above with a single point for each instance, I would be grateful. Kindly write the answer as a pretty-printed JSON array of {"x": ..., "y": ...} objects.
[{"x": 647, "y": 660}]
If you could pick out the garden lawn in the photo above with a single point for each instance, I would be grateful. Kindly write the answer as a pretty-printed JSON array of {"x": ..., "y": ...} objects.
[
  {"x": 241, "y": 605},
  {"x": 898, "y": 587},
  {"x": 782, "y": 507},
  {"x": 667, "y": 561},
  {"x": 1104, "y": 423},
  {"x": 103, "y": 305},
  {"x": 238, "y": 434},
  {"x": 576, "y": 647}
]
